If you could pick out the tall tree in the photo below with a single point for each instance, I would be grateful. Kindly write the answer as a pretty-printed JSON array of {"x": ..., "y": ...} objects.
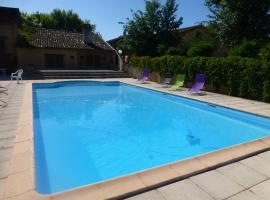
[
  {"x": 236, "y": 20},
  {"x": 153, "y": 28}
]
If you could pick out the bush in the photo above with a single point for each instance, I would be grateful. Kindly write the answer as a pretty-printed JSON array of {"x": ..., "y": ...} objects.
[
  {"x": 202, "y": 49},
  {"x": 173, "y": 51},
  {"x": 176, "y": 64},
  {"x": 265, "y": 53},
  {"x": 248, "y": 49},
  {"x": 266, "y": 82},
  {"x": 244, "y": 77}
]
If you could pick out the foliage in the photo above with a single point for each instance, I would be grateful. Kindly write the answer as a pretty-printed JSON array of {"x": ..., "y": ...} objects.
[
  {"x": 152, "y": 31},
  {"x": 264, "y": 53},
  {"x": 201, "y": 49},
  {"x": 244, "y": 77},
  {"x": 266, "y": 83},
  {"x": 235, "y": 21},
  {"x": 246, "y": 49},
  {"x": 173, "y": 51},
  {"x": 57, "y": 19},
  {"x": 24, "y": 36},
  {"x": 203, "y": 35}
]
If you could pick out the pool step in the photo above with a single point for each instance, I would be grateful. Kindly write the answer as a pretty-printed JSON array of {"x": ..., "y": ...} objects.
[{"x": 82, "y": 74}]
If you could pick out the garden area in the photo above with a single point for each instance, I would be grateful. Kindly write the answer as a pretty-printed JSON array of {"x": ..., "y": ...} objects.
[{"x": 232, "y": 48}]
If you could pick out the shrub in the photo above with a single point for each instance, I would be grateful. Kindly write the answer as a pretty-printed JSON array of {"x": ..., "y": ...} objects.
[
  {"x": 245, "y": 77},
  {"x": 216, "y": 72},
  {"x": 176, "y": 64},
  {"x": 245, "y": 49},
  {"x": 173, "y": 51},
  {"x": 202, "y": 49},
  {"x": 266, "y": 82},
  {"x": 233, "y": 75},
  {"x": 265, "y": 53},
  {"x": 251, "y": 79}
]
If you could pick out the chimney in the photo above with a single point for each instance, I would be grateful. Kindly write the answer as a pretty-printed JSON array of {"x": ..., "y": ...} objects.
[{"x": 87, "y": 33}]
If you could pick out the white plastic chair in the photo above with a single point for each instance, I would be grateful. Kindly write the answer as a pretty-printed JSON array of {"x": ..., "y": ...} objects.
[{"x": 18, "y": 75}]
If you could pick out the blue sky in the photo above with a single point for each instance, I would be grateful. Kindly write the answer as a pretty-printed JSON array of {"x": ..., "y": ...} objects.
[{"x": 107, "y": 13}]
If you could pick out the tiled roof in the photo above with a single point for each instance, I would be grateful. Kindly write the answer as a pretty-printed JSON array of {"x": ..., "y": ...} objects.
[{"x": 48, "y": 38}]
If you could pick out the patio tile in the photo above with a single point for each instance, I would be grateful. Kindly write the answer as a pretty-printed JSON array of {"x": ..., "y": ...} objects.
[
  {"x": 157, "y": 176},
  {"x": 91, "y": 193},
  {"x": 24, "y": 133},
  {"x": 31, "y": 195},
  {"x": 262, "y": 190},
  {"x": 242, "y": 175},
  {"x": 22, "y": 147},
  {"x": 8, "y": 134},
  {"x": 246, "y": 195},
  {"x": 5, "y": 154},
  {"x": 121, "y": 186},
  {"x": 216, "y": 184},
  {"x": 187, "y": 167},
  {"x": 218, "y": 157},
  {"x": 184, "y": 190},
  {"x": 19, "y": 183},
  {"x": 6, "y": 143},
  {"x": 2, "y": 188},
  {"x": 258, "y": 164},
  {"x": 152, "y": 195},
  {"x": 266, "y": 140},
  {"x": 4, "y": 169},
  {"x": 21, "y": 162},
  {"x": 265, "y": 155}
]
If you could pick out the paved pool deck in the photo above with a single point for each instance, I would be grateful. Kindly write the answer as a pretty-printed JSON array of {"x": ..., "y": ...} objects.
[{"x": 224, "y": 178}]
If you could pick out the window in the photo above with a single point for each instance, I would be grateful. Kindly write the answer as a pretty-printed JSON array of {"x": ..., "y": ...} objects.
[
  {"x": 2, "y": 44},
  {"x": 54, "y": 60}
]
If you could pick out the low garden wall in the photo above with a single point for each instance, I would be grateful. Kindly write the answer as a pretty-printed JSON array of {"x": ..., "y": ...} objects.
[{"x": 236, "y": 76}]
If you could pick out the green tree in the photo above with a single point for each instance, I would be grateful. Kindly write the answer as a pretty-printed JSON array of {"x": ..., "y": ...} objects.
[
  {"x": 151, "y": 31},
  {"x": 57, "y": 19},
  {"x": 236, "y": 20}
]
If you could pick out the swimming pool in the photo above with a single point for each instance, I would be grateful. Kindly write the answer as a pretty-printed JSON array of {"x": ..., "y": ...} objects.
[{"x": 86, "y": 132}]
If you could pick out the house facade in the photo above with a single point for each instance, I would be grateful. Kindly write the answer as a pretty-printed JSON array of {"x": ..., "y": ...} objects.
[
  {"x": 9, "y": 21},
  {"x": 52, "y": 49},
  {"x": 57, "y": 49}
]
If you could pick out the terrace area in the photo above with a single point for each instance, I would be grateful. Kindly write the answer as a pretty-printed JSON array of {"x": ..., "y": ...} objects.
[{"x": 242, "y": 172}]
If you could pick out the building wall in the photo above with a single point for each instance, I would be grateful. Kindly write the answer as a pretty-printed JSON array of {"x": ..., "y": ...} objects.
[
  {"x": 8, "y": 32},
  {"x": 34, "y": 58}
]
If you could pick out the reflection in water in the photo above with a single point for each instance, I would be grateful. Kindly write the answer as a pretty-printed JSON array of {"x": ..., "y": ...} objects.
[{"x": 192, "y": 140}]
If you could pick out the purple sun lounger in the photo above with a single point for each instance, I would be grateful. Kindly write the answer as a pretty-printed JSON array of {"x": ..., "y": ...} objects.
[
  {"x": 198, "y": 85},
  {"x": 145, "y": 76}
]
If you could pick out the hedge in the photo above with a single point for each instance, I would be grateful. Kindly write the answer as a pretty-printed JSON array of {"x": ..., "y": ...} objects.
[{"x": 244, "y": 77}]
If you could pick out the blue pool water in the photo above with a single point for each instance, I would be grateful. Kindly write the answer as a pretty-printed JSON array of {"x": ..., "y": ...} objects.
[{"x": 87, "y": 132}]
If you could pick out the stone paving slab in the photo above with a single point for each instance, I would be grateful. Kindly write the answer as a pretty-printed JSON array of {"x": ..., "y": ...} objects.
[
  {"x": 242, "y": 175},
  {"x": 258, "y": 164},
  {"x": 217, "y": 185},
  {"x": 262, "y": 190},
  {"x": 152, "y": 195},
  {"x": 184, "y": 190},
  {"x": 8, "y": 125},
  {"x": 246, "y": 195}
]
